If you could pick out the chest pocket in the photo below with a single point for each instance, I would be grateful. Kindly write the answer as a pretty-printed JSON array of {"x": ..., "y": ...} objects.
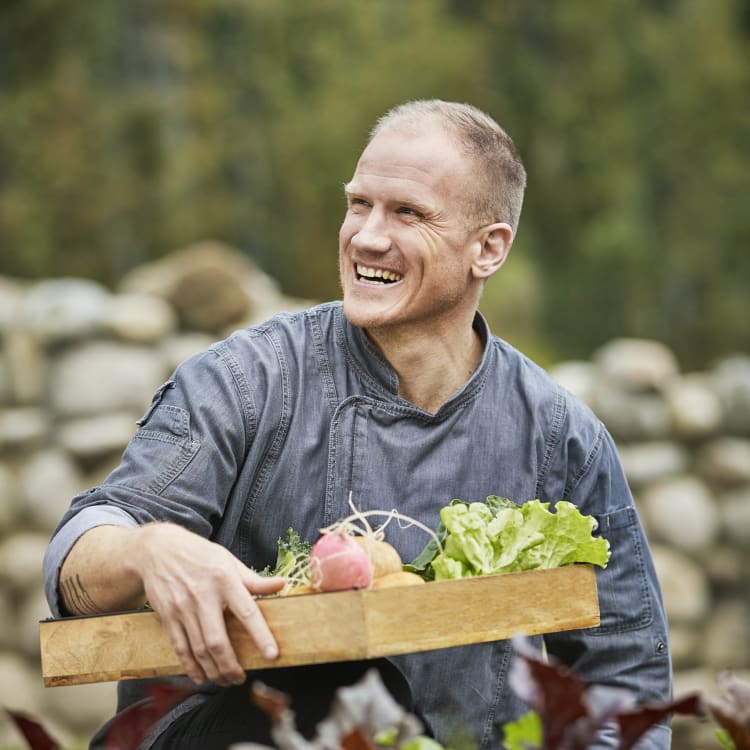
[
  {"x": 159, "y": 451},
  {"x": 625, "y": 601}
]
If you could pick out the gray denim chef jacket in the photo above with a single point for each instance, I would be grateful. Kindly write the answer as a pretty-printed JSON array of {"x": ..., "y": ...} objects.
[{"x": 274, "y": 428}]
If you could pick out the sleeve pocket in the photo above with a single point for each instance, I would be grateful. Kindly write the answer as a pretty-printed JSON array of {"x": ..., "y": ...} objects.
[
  {"x": 158, "y": 452},
  {"x": 155, "y": 401},
  {"x": 624, "y": 596}
]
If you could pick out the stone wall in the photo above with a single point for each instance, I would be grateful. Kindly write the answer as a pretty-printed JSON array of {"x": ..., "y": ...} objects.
[
  {"x": 684, "y": 440},
  {"x": 79, "y": 364}
]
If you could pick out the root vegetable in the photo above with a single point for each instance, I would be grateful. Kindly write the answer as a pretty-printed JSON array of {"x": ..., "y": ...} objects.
[
  {"x": 384, "y": 558},
  {"x": 401, "y": 578},
  {"x": 337, "y": 562},
  {"x": 301, "y": 589}
]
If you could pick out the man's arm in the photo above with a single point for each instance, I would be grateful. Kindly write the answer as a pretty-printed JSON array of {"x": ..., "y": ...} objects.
[
  {"x": 630, "y": 647},
  {"x": 188, "y": 580},
  {"x": 144, "y": 533},
  {"x": 98, "y": 576}
]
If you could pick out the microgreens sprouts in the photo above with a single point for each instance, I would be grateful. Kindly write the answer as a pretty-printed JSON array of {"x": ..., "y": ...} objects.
[
  {"x": 350, "y": 525},
  {"x": 299, "y": 575}
]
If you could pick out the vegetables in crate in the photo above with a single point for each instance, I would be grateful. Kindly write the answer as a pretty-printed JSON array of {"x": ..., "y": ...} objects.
[
  {"x": 472, "y": 539},
  {"x": 350, "y": 554}
]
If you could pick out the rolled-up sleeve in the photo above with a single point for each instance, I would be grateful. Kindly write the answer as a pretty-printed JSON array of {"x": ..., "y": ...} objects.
[
  {"x": 67, "y": 535},
  {"x": 179, "y": 466}
]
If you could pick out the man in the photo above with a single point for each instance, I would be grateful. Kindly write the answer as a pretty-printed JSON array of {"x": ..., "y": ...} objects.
[{"x": 400, "y": 396}]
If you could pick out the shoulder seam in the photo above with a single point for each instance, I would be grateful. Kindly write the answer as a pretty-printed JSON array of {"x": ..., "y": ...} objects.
[
  {"x": 590, "y": 458},
  {"x": 244, "y": 391},
  {"x": 553, "y": 439},
  {"x": 321, "y": 355},
  {"x": 280, "y": 432}
]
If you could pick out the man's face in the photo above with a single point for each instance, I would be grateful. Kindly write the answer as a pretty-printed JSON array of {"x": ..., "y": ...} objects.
[{"x": 404, "y": 248}]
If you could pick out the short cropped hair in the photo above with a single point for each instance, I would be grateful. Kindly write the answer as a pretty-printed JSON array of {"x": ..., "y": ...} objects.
[{"x": 500, "y": 178}]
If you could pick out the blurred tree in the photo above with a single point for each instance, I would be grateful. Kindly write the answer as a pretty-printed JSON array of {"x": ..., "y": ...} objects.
[
  {"x": 633, "y": 127},
  {"x": 130, "y": 129}
]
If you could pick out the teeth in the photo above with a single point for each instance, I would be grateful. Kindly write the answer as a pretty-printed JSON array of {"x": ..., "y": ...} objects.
[{"x": 377, "y": 273}]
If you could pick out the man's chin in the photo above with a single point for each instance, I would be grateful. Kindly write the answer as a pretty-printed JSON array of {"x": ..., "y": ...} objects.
[
  {"x": 359, "y": 315},
  {"x": 376, "y": 310},
  {"x": 355, "y": 316}
]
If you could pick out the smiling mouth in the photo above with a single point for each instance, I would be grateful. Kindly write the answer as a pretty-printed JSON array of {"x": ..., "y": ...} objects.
[{"x": 377, "y": 275}]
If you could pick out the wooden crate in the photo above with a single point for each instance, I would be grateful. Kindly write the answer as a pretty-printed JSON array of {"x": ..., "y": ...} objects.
[{"x": 336, "y": 626}]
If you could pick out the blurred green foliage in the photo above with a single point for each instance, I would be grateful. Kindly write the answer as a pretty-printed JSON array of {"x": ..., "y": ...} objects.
[{"x": 128, "y": 130}]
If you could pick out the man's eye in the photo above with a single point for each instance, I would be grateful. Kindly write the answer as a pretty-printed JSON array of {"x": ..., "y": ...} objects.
[
  {"x": 358, "y": 202},
  {"x": 408, "y": 211}
]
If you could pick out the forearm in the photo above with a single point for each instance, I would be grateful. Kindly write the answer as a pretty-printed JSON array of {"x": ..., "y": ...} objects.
[{"x": 99, "y": 574}]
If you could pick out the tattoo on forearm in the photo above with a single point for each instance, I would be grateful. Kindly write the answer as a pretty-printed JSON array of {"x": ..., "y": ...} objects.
[{"x": 76, "y": 597}]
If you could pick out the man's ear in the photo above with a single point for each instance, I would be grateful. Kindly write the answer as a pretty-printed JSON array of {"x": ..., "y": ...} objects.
[{"x": 493, "y": 246}]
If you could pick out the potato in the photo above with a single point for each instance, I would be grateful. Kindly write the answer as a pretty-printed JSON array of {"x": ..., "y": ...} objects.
[
  {"x": 384, "y": 558},
  {"x": 301, "y": 589},
  {"x": 392, "y": 580}
]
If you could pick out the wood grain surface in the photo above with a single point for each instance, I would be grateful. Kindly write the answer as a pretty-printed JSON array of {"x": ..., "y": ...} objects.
[{"x": 339, "y": 626}]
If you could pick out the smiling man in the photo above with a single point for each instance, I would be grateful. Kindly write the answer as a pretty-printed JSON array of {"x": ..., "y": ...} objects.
[
  {"x": 398, "y": 396},
  {"x": 414, "y": 253}
]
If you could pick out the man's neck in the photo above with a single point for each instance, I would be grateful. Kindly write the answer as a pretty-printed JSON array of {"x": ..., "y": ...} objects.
[{"x": 430, "y": 368}]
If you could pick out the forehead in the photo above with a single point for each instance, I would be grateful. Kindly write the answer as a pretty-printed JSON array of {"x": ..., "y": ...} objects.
[{"x": 428, "y": 161}]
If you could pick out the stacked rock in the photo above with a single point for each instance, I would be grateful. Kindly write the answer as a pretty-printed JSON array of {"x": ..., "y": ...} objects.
[
  {"x": 684, "y": 439},
  {"x": 79, "y": 364}
]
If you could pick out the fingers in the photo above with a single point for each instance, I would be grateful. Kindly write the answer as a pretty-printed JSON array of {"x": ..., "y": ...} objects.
[
  {"x": 245, "y": 609},
  {"x": 262, "y": 585},
  {"x": 184, "y": 652},
  {"x": 191, "y": 588},
  {"x": 212, "y": 649},
  {"x": 199, "y": 635},
  {"x": 200, "y": 640},
  {"x": 252, "y": 620}
]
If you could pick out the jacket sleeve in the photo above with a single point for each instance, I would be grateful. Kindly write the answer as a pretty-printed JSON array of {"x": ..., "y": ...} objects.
[
  {"x": 179, "y": 466},
  {"x": 629, "y": 649}
]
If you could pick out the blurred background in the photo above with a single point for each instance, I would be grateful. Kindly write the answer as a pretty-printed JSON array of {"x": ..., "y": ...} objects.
[
  {"x": 130, "y": 129},
  {"x": 172, "y": 170}
]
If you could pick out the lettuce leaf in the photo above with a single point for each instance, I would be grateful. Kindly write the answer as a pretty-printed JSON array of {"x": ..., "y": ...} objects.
[{"x": 498, "y": 536}]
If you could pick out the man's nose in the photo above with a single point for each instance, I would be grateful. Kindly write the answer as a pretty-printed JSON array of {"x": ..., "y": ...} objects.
[{"x": 373, "y": 233}]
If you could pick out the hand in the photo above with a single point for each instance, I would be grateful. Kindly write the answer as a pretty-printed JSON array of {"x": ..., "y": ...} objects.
[{"x": 190, "y": 582}]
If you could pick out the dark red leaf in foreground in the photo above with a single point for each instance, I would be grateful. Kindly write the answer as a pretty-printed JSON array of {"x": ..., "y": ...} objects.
[
  {"x": 34, "y": 733},
  {"x": 357, "y": 740},
  {"x": 572, "y": 713},
  {"x": 733, "y": 713},
  {"x": 740, "y": 734},
  {"x": 130, "y": 726},
  {"x": 271, "y": 701},
  {"x": 738, "y": 693},
  {"x": 634, "y": 724},
  {"x": 559, "y": 698}
]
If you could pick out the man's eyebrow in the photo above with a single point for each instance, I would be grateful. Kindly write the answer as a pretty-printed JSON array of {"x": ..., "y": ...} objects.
[{"x": 417, "y": 205}]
